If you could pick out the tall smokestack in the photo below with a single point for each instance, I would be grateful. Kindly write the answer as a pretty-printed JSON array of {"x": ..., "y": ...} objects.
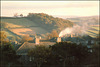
[{"x": 58, "y": 39}]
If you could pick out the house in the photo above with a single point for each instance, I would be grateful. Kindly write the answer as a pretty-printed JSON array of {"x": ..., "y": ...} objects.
[{"x": 26, "y": 46}]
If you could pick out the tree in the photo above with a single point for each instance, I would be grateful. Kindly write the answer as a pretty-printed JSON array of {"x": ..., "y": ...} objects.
[
  {"x": 94, "y": 57},
  {"x": 70, "y": 53},
  {"x": 53, "y": 34},
  {"x": 7, "y": 55},
  {"x": 98, "y": 37},
  {"x": 81, "y": 53},
  {"x": 3, "y": 36},
  {"x": 40, "y": 54},
  {"x": 26, "y": 38},
  {"x": 21, "y": 15},
  {"x": 49, "y": 22}
]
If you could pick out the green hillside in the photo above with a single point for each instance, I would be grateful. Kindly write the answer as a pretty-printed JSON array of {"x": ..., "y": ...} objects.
[
  {"x": 49, "y": 22},
  {"x": 19, "y": 21},
  {"x": 13, "y": 25},
  {"x": 33, "y": 24},
  {"x": 94, "y": 31}
]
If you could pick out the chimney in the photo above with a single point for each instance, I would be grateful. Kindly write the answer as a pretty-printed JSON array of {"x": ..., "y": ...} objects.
[
  {"x": 37, "y": 41},
  {"x": 58, "y": 39},
  {"x": 71, "y": 35}
]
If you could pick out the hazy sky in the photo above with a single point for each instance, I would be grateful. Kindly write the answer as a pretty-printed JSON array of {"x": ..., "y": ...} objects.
[{"x": 64, "y": 8}]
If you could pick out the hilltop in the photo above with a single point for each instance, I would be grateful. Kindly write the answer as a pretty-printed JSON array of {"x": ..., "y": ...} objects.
[
  {"x": 49, "y": 22},
  {"x": 33, "y": 23}
]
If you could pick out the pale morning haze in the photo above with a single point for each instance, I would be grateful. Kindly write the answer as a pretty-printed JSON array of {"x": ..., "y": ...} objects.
[
  {"x": 50, "y": 33},
  {"x": 54, "y": 8}
]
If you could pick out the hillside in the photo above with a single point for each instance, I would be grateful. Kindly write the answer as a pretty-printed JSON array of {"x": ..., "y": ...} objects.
[
  {"x": 90, "y": 20},
  {"x": 49, "y": 22},
  {"x": 33, "y": 24},
  {"x": 21, "y": 26},
  {"x": 94, "y": 31}
]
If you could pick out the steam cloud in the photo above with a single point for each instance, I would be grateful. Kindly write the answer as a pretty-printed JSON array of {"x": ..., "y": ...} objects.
[{"x": 76, "y": 29}]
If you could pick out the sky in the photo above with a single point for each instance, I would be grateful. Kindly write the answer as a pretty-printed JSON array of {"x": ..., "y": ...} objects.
[{"x": 54, "y": 8}]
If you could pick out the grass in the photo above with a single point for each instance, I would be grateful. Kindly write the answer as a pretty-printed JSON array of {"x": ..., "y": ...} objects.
[
  {"x": 96, "y": 27},
  {"x": 9, "y": 34},
  {"x": 91, "y": 34},
  {"x": 10, "y": 25},
  {"x": 20, "y": 21},
  {"x": 21, "y": 26},
  {"x": 94, "y": 31},
  {"x": 32, "y": 30},
  {"x": 18, "y": 31}
]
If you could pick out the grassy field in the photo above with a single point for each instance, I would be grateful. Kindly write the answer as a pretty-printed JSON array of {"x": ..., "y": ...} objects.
[
  {"x": 22, "y": 26},
  {"x": 10, "y": 25},
  {"x": 94, "y": 31},
  {"x": 96, "y": 27},
  {"x": 32, "y": 30},
  {"x": 20, "y": 21},
  {"x": 10, "y": 34}
]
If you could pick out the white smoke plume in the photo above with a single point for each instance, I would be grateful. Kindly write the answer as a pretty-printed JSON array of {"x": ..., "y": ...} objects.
[
  {"x": 76, "y": 29},
  {"x": 65, "y": 31}
]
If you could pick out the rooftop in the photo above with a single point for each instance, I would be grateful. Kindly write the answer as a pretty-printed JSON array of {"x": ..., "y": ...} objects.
[{"x": 26, "y": 46}]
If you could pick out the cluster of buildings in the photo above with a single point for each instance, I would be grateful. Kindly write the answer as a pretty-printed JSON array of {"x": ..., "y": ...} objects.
[{"x": 22, "y": 49}]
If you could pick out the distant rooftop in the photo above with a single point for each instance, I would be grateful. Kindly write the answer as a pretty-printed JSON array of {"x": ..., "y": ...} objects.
[{"x": 26, "y": 46}]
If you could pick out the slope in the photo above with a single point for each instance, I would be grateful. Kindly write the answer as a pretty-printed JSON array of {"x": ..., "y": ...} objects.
[
  {"x": 94, "y": 31},
  {"x": 91, "y": 20},
  {"x": 49, "y": 22},
  {"x": 34, "y": 23},
  {"x": 21, "y": 26}
]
